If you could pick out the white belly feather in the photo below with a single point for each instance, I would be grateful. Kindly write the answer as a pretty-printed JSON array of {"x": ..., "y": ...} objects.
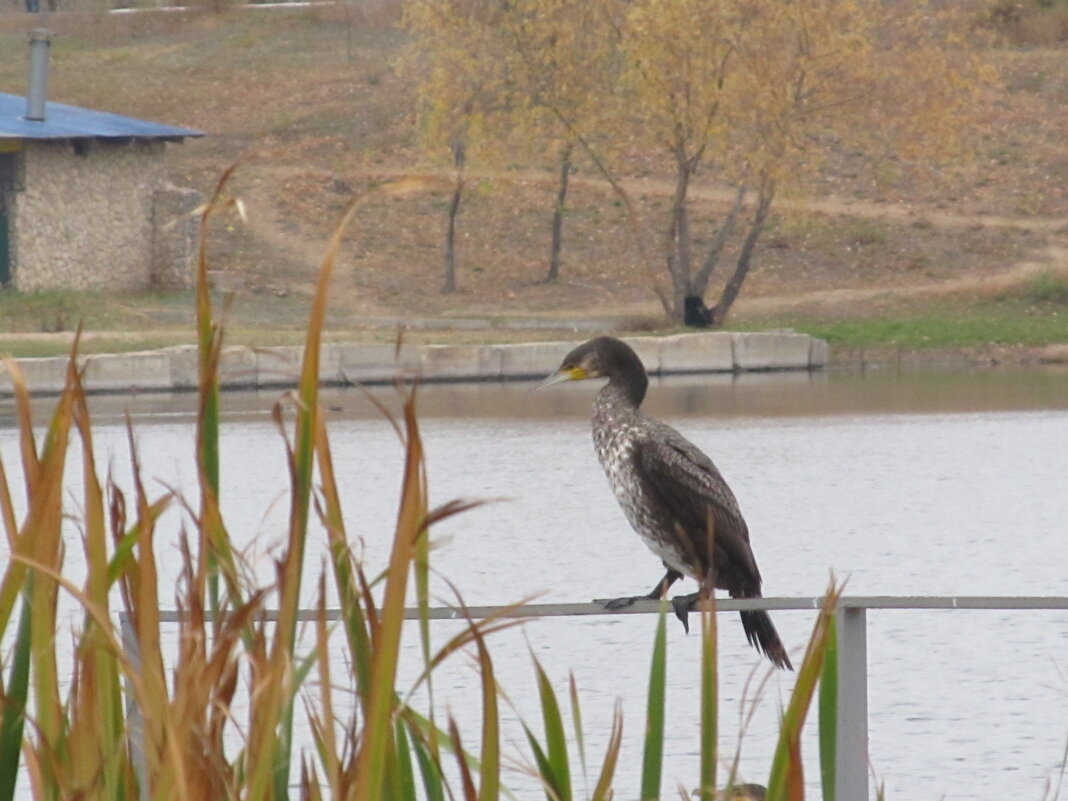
[{"x": 615, "y": 444}]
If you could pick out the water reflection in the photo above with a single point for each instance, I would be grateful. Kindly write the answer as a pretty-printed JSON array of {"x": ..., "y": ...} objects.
[{"x": 773, "y": 394}]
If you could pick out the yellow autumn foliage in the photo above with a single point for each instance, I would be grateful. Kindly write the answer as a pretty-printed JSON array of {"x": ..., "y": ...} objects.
[{"x": 751, "y": 93}]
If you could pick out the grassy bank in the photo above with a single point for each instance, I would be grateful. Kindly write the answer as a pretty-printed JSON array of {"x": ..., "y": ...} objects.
[
  {"x": 1001, "y": 324},
  {"x": 1009, "y": 322},
  {"x": 36, "y": 326}
]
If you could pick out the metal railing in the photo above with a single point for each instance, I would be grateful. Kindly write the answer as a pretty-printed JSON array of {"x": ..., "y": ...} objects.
[{"x": 851, "y": 768}]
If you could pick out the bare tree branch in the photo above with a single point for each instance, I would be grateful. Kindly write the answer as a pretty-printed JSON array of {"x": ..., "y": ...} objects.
[
  {"x": 719, "y": 241},
  {"x": 745, "y": 255}
]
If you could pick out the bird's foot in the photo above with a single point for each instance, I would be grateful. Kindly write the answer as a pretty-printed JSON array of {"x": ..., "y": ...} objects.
[
  {"x": 621, "y": 603},
  {"x": 683, "y": 605}
]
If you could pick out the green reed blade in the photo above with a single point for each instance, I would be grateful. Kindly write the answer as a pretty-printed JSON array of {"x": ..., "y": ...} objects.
[
  {"x": 123, "y": 555},
  {"x": 393, "y": 780},
  {"x": 709, "y": 703},
  {"x": 576, "y": 723},
  {"x": 828, "y": 713},
  {"x": 490, "y": 759},
  {"x": 209, "y": 348},
  {"x": 653, "y": 756},
  {"x": 411, "y": 518},
  {"x": 102, "y": 717},
  {"x": 344, "y": 567},
  {"x": 271, "y": 768},
  {"x": 428, "y": 769},
  {"x": 467, "y": 782},
  {"x": 7, "y": 510},
  {"x": 603, "y": 790},
  {"x": 786, "y": 782},
  {"x": 208, "y": 340},
  {"x": 45, "y": 520},
  {"x": 404, "y": 787},
  {"x": 555, "y": 739},
  {"x": 541, "y": 762},
  {"x": 324, "y": 721},
  {"x": 13, "y": 714}
]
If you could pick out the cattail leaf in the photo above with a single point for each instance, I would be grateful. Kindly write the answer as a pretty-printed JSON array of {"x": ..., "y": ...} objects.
[
  {"x": 490, "y": 758},
  {"x": 543, "y": 765},
  {"x": 355, "y": 623},
  {"x": 467, "y": 782},
  {"x": 709, "y": 702},
  {"x": 576, "y": 722},
  {"x": 786, "y": 782},
  {"x": 828, "y": 712},
  {"x": 13, "y": 712},
  {"x": 555, "y": 739},
  {"x": 405, "y": 773},
  {"x": 410, "y": 525},
  {"x": 653, "y": 754},
  {"x": 429, "y": 769},
  {"x": 603, "y": 790}
]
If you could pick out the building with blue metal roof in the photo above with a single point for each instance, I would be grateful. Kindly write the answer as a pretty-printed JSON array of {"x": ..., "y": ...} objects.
[
  {"x": 73, "y": 122},
  {"x": 84, "y": 201}
]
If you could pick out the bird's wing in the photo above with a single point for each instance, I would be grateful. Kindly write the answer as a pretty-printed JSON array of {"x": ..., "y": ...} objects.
[{"x": 690, "y": 488}]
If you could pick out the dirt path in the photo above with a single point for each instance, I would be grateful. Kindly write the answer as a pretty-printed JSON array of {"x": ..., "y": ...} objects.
[
  {"x": 297, "y": 250},
  {"x": 1052, "y": 258},
  {"x": 897, "y": 212},
  {"x": 425, "y": 180}
]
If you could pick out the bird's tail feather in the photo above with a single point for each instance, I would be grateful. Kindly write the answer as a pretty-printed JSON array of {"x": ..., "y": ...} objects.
[{"x": 761, "y": 634}]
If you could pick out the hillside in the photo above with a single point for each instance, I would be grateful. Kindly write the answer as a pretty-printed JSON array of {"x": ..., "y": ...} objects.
[{"x": 310, "y": 104}]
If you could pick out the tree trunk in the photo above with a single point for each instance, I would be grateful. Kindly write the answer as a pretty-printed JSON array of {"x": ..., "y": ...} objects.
[
  {"x": 633, "y": 221},
  {"x": 558, "y": 213},
  {"x": 700, "y": 281},
  {"x": 450, "y": 239},
  {"x": 677, "y": 248},
  {"x": 741, "y": 268},
  {"x": 695, "y": 314},
  {"x": 459, "y": 161}
]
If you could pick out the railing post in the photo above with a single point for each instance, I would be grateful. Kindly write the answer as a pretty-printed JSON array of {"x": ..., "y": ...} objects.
[
  {"x": 134, "y": 721},
  {"x": 851, "y": 768}
]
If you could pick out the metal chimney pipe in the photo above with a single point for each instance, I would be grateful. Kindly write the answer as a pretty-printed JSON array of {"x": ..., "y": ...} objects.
[{"x": 40, "y": 43}]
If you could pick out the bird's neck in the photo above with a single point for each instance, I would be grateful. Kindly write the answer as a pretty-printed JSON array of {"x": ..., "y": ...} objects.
[{"x": 623, "y": 396}]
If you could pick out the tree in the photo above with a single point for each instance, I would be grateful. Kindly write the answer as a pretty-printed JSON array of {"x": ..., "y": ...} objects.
[
  {"x": 523, "y": 72},
  {"x": 456, "y": 55},
  {"x": 751, "y": 92},
  {"x": 560, "y": 74}
]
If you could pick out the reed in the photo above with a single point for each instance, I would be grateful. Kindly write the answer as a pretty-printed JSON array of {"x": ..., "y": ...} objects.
[{"x": 136, "y": 720}]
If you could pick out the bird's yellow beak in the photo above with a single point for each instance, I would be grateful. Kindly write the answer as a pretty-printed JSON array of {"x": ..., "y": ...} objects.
[{"x": 570, "y": 374}]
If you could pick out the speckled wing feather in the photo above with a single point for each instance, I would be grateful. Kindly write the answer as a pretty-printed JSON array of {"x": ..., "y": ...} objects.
[{"x": 688, "y": 486}]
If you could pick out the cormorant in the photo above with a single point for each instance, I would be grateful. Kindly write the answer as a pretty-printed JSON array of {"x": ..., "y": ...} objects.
[{"x": 670, "y": 491}]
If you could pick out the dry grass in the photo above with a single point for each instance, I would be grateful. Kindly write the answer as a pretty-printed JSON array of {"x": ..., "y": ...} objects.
[{"x": 309, "y": 100}]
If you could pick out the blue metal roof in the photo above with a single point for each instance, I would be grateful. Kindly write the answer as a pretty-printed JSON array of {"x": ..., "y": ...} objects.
[{"x": 73, "y": 122}]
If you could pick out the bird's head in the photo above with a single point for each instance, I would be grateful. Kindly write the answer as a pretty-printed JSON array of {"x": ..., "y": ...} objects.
[
  {"x": 603, "y": 357},
  {"x": 581, "y": 363}
]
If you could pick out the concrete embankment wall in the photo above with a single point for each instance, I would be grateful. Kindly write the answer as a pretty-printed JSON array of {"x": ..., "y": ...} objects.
[{"x": 348, "y": 363}]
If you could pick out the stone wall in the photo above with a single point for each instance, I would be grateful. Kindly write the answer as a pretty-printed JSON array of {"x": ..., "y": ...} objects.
[
  {"x": 175, "y": 234},
  {"x": 377, "y": 363},
  {"x": 83, "y": 217}
]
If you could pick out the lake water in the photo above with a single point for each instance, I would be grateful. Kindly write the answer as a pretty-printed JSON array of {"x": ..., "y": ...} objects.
[{"x": 904, "y": 484}]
